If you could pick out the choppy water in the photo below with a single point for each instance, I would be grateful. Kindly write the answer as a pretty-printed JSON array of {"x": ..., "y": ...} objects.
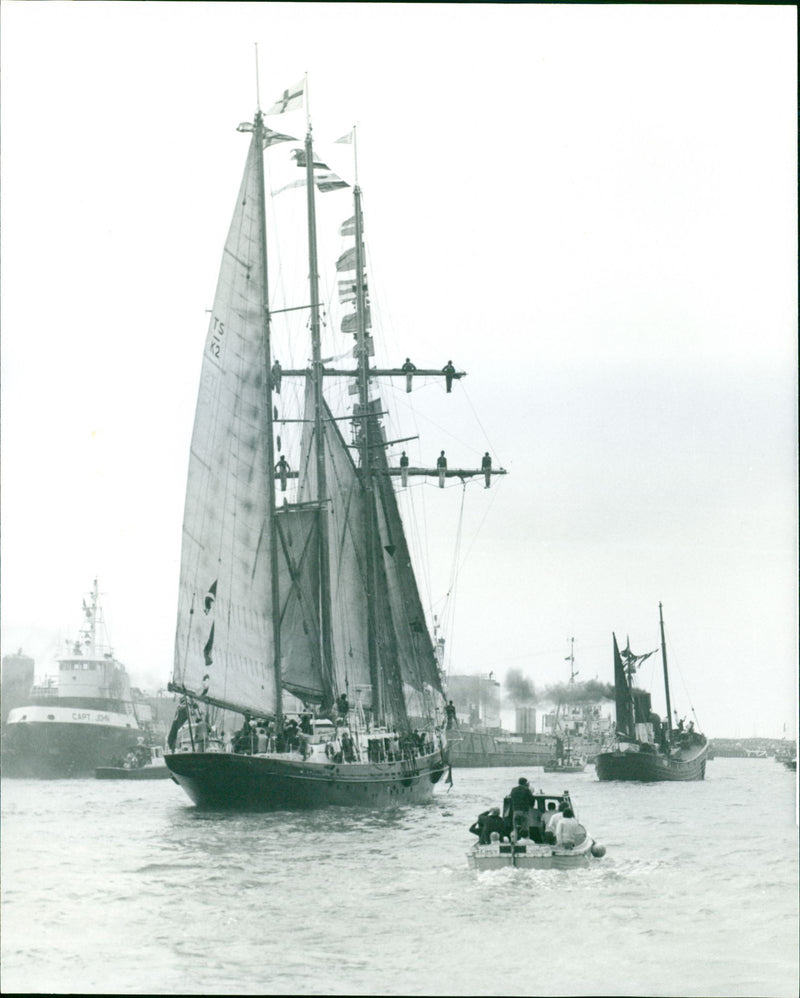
[{"x": 125, "y": 888}]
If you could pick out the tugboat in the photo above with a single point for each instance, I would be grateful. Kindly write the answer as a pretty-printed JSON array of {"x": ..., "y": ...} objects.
[
  {"x": 540, "y": 851},
  {"x": 646, "y": 748},
  {"x": 75, "y": 722}
]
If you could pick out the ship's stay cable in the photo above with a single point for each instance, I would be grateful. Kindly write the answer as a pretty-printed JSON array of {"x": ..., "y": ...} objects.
[
  {"x": 477, "y": 529},
  {"x": 676, "y": 667},
  {"x": 489, "y": 444},
  {"x": 448, "y": 615}
]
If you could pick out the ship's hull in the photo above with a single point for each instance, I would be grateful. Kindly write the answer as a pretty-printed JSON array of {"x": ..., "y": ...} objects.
[
  {"x": 651, "y": 767},
  {"x": 228, "y": 780},
  {"x": 56, "y": 751},
  {"x": 53, "y": 737},
  {"x": 477, "y": 750}
]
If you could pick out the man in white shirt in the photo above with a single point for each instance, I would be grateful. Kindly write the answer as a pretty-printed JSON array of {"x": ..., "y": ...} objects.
[{"x": 567, "y": 829}]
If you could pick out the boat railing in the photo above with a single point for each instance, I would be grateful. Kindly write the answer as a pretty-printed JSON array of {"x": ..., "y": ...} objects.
[{"x": 47, "y": 688}]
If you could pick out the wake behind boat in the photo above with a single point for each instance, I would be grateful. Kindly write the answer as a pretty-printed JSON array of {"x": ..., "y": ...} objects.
[
  {"x": 647, "y": 748},
  {"x": 315, "y": 598}
]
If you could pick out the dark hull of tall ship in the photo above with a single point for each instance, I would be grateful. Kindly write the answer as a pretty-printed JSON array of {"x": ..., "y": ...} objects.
[
  {"x": 228, "y": 780},
  {"x": 58, "y": 751},
  {"x": 652, "y": 767}
]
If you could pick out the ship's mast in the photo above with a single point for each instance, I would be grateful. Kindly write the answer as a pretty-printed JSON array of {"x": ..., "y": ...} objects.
[
  {"x": 571, "y": 660},
  {"x": 316, "y": 379},
  {"x": 666, "y": 673},
  {"x": 258, "y": 139},
  {"x": 368, "y": 484}
]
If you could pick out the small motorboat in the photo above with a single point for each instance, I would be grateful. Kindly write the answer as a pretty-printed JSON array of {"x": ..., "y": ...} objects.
[
  {"x": 528, "y": 854},
  {"x": 137, "y": 766}
]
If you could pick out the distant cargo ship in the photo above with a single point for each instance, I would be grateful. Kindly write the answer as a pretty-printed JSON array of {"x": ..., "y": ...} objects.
[
  {"x": 84, "y": 718},
  {"x": 476, "y": 738}
]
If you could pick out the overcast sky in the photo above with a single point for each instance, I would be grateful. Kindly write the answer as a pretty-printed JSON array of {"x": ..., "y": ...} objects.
[{"x": 590, "y": 209}]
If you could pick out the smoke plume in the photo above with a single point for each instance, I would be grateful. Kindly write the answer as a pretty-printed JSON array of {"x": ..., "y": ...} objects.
[
  {"x": 588, "y": 692},
  {"x": 520, "y": 691}
]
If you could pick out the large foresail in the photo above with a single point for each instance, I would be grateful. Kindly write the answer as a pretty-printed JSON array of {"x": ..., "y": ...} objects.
[
  {"x": 224, "y": 640},
  {"x": 345, "y": 510}
]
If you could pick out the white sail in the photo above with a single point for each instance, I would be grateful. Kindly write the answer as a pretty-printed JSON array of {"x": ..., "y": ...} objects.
[
  {"x": 345, "y": 512},
  {"x": 223, "y": 645}
]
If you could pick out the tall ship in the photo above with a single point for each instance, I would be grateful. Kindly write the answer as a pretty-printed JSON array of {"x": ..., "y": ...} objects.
[
  {"x": 303, "y": 658},
  {"x": 81, "y": 718},
  {"x": 648, "y": 749}
]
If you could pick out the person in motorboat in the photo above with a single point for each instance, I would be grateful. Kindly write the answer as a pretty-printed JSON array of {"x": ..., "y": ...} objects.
[
  {"x": 536, "y": 825},
  {"x": 568, "y": 832},
  {"x": 554, "y": 816},
  {"x": 522, "y": 802},
  {"x": 486, "y": 823}
]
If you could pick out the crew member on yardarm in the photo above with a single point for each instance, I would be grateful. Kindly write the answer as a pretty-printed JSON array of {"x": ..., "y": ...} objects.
[
  {"x": 408, "y": 367},
  {"x": 486, "y": 468},
  {"x": 283, "y": 469},
  {"x": 441, "y": 465},
  {"x": 404, "y": 469},
  {"x": 276, "y": 375}
]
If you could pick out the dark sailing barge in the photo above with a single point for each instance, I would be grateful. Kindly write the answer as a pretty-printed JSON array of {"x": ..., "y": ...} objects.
[
  {"x": 648, "y": 749},
  {"x": 315, "y": 597}
]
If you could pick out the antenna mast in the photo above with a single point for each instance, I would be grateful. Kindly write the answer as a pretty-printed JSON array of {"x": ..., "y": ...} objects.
[{"x": 666, "y": 674}]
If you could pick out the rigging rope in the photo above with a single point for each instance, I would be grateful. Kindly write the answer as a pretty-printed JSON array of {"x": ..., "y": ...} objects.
[{"x": 448, "y": 615}]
